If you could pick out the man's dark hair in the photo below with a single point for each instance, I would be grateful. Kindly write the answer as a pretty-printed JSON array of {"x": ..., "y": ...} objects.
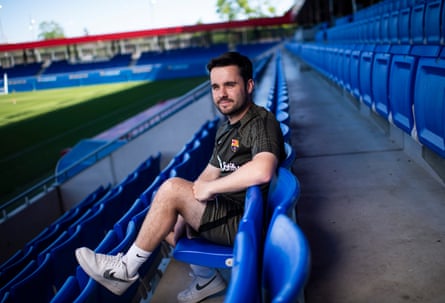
[{"x": 233, "y": 58}]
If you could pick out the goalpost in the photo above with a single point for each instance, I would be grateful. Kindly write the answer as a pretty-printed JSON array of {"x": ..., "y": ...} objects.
[{"x": 4, "y": 89}]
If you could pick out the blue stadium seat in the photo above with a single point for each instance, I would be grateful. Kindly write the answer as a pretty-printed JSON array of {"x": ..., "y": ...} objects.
[
  {"x": 380, "y": 80},
  {"x": 147, "y": 195},
  {"x": 202, "y": 252},
  {"x": 184, "y": 168},
  {"x": 375, "y": 31},
  {"x": 393, "y": 27},
  {"x": 286, "y": 261},
  {"x": 121, "y": 224},
  {"x": 193, "y": 162},
  {"x": 35, "y": 287},
  {"x": 433, "y": 21},
  {"x": 290, "y": 156},
  {"x": 11, "y": 280},
  {"x": 92, "y": 198},
  {"x": 285, "y": 129},
  {"x": 404, "y": 25},
  {"x": 244, "y": 285},
  {"x": 354, "y": 71},
  {"x": 283, "y": 117},
  {"x": 136, "y": 182},
  {"x": 93, "y": 292},
  {"x": 338, "y": 65},
  {"x": 429, "y": 102},
  {"x": 384, "y": 27},
  {"x": 247, "y": 251},
  {"x": 205, "y": 253},
  {"x": 72, "y": 290},
  {"x": 57, "y": 263},
  {"x": 401, "y": 83},
  {"x": 365, "y": 74},
  {"x": 442, "y": 27},
  {"x": 20, "y": 259},
  {"x": 417, "y": 28},
  {"x": 69, "y": 291},
  {"x": 149, "y": 170},
  {"x": 283, "y": 194},
  {"x": 345, "y": 70},
  {"x": 283, "y": 104}
]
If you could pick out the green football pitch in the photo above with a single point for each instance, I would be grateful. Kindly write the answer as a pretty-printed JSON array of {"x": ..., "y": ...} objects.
[{"x": 35, "y": 127}]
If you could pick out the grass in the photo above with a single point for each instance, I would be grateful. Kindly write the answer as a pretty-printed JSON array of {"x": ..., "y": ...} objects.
[{"x": 36, "y": 126}]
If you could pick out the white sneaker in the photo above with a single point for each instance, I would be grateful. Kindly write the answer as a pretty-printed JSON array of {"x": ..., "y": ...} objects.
[
  {"x": 201, "y": 288},
  {"x": 110, "y": 271}
]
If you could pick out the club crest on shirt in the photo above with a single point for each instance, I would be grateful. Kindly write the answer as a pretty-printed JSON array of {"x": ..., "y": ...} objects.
[{"x": 235, "y": 145}]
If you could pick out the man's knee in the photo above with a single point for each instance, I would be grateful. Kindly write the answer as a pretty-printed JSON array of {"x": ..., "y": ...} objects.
[{"x": 175, "y": 187}]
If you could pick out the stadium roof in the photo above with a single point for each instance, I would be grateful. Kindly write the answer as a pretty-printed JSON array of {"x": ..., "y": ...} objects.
[{"x": 287, "y": 18}]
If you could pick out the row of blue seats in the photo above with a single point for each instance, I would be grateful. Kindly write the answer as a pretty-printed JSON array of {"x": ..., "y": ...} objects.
[
  {"x": 386, "y": 6},
  {"x": 278, "y": 97},
  {"x": 274, "y": 268},
  {"x": 118, "y": 61},
  {"x": 22, "y": 70},
  {"x": 416, "y": 22},
  {"x": 183, "y": 55},
  {"x": 49, "y": 257},
  {"x": 78, "y": 287},
  {"x": 278, "y": 268},
  {"x": 405, "y": 84},
  {"x": 201, "y": 54}
]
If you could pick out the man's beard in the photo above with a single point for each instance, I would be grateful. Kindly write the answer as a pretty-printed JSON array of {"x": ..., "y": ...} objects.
[{"x": 235, "y": 110}]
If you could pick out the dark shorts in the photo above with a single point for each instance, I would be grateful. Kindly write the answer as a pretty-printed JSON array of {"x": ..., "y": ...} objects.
[{"x": 220, "y": 220}]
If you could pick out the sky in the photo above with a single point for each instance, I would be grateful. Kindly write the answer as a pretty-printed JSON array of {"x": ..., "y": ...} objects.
[{"x": 20, "y": 19}]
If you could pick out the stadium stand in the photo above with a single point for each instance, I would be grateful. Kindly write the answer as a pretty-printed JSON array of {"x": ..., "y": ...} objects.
[
  {"x": 60, "y": 67},
  {"x": 22, "y": 70},
  {"x": 388, "y": 69},
  {"x": 151, "y": 65},
  {"x": 22, "y": 258},
  {"x": 48, "y": 260},
  {"x": 119, "y": 227}
]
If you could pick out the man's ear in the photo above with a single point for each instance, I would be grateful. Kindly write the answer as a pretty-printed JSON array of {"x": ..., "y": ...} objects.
[{"x": 250, "y": 85}]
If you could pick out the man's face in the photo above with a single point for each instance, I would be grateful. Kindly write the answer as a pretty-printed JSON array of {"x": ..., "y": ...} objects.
[{"x": 230, "y": 93}]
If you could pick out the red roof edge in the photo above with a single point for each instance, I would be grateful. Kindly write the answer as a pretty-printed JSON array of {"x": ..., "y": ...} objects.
[{"x": 287, "y": 18}]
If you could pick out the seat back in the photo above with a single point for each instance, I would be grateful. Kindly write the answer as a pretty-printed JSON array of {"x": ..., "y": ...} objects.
[
  {"x": 290, "y": 156},
  {"x": 244, "y": 278},
  {"x": 429, "y": 100},
  {"x": 283, "y": 194},
  {"x": 286, "y": 261},
  {"x": 247, "y": 251}
]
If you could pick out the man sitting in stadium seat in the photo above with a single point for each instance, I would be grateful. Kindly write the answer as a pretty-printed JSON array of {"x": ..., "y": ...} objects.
[{"x": 248, "y": 148}]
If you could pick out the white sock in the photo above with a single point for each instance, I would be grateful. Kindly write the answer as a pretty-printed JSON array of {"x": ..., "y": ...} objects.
[
  {"x": 134, "y": 259},
  {"x": 202, "y": 271}
]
